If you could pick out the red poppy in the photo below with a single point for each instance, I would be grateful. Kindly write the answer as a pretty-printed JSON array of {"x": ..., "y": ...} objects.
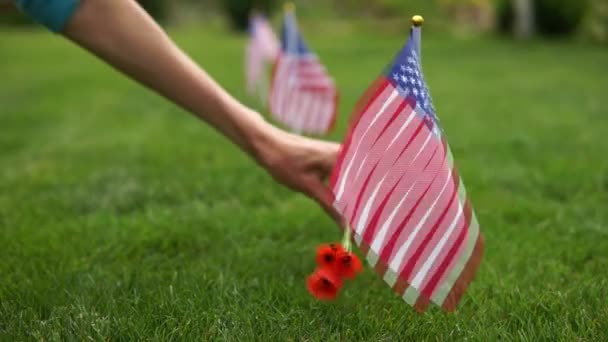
[
  {"x": 347, "y": 265},
  {"x": 326, "y": 254},
  {"x": 323, "y": 284}
]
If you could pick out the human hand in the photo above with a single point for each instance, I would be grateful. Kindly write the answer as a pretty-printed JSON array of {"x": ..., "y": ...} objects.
[{"x": 302, "y": 164}]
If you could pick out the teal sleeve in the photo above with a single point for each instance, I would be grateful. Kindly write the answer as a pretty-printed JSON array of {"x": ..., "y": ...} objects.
[{"x": 53, "y": 14}]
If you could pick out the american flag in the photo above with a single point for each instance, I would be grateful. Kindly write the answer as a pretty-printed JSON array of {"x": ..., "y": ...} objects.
[
  {"x": 397, "y": 187},
  {"x": 303, "y": 96},
  {"x": 262, "y": 49}
]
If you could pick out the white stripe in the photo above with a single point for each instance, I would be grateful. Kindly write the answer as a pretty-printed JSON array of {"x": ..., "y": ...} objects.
[
  {"x": 378, "y": 242},
  {"x": 350, "y": 163},
  {"x": 370, "y": 201},
  {"x": 305, "y": 111},
  {"x": 360, "y": 167},
  {"x": 407, "y": 122},
  {"x": 286, "y": 89},
  {"x": 292, "y": 103},
  {"x": 429, "y": 262},
  {"x": 314, "y": 116},
  {"x": 397, "y": 260},
  {"x": 325, "y": 115},
  {"x": 329, "y": 114},
  {"x": 428, "y": 138},
  {"x": 368, "y": 207},
  {"x": 314, "y": 107},
  {"x": 293, "y": 110},
  {"x": 302, "y": 111}
]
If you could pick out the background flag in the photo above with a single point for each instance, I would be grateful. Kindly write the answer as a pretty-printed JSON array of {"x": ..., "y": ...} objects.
[
  {"x": 396, "y": 185},
  {"x": 262, "y": 49},
  {"x": 303, "y": 96}
]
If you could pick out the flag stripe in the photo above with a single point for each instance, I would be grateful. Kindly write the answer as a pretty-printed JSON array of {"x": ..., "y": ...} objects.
[
  {"x": 412, "y": 162},
  {"x": 387, "y": 250},
  {"x": 409, "y": 174},
  {"x": 413, "y": 259},
  {"x": 418, "y": 219},
  {"x": 363, "y": 144},
  {"x": 371, "y": 158},
  {"x": 373, "y": 92},
  {"x": 300, "y": 78},
  {"x": 371, "y": 230},
  {"x": 447, "y": 254}
]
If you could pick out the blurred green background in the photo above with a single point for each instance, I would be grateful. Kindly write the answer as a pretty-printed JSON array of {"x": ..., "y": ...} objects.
[
  {"x": 585, "y": 18},
  {"x": 123, "y": 218}
]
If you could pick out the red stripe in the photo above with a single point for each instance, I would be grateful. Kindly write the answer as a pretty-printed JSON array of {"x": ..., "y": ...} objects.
[
  {"x": 388, "y": 249},
  {"x": 449, "y": 258},
  {"x": 361, "y": 194},
  {"x": 377, "y": 154},
  {"x": 411, "y": 263},
  {"x": 370, "y": 230},
  {"x": 434, "y": 281},
  {"x": 418, "y": 129},
  {"x": 390, "y": 121},
  {"x": 373, "y": 225},
  {"x": 347, "y": 142}
]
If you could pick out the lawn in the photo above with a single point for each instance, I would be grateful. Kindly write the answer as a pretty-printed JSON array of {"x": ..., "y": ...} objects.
[{"x": 123, "y": 218}]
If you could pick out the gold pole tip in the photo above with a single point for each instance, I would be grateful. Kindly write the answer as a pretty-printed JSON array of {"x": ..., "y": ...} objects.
[
  {"x": 289, "y": 7},
  {"x": 417, "y": 20}
]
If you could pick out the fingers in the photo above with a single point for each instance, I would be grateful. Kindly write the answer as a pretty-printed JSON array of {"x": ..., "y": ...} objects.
[{"x": 323, "y": 195}]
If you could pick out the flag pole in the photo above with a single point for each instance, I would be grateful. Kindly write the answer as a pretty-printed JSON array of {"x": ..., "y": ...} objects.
[{"x": 417, "y": 22}]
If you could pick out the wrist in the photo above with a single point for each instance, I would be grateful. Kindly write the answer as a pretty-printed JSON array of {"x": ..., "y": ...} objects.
[{"x": 260, "y": 138}]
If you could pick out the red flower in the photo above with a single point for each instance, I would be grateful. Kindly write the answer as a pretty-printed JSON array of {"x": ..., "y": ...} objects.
[
  {"x": 347, "y": 265},
  {"x": 323, "y": 284},
  {"x": 327, "y": 253}
]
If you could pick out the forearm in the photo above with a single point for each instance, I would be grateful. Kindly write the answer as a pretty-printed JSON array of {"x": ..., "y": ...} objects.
[{"x": 122, "y": 34}]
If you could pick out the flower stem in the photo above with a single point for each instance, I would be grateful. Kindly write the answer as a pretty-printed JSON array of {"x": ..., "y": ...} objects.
[{"x": 346, "y": 240}]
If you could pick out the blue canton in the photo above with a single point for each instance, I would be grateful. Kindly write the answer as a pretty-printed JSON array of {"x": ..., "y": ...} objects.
[
  {"x": 406, "y": 75},
  {"x": 291, "y": 39}
]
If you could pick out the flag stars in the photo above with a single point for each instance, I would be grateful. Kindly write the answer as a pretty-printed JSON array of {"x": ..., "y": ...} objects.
[{"x": 406, "y": 75}]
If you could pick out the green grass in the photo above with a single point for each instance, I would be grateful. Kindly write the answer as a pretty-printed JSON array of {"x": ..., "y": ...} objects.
[{"x": 123, "y": 218}]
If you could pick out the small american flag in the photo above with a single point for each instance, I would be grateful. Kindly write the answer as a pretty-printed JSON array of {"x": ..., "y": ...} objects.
[
  {"x": 262, "y": 49},
  {"x": 303, "y": 96},
  {"x": 397, "y": 187}
]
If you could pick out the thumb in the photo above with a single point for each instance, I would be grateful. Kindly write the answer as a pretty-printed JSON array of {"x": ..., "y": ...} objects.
[
  {"x": 328, "y": 157},
  {"x": 325, "y": 198}
]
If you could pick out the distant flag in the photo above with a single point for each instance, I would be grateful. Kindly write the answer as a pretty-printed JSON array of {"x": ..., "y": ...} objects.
[
  {"x": 262, "y": 49},
  {"x": 398, "y": 189},
  {"x": 303, "y": 96}
]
